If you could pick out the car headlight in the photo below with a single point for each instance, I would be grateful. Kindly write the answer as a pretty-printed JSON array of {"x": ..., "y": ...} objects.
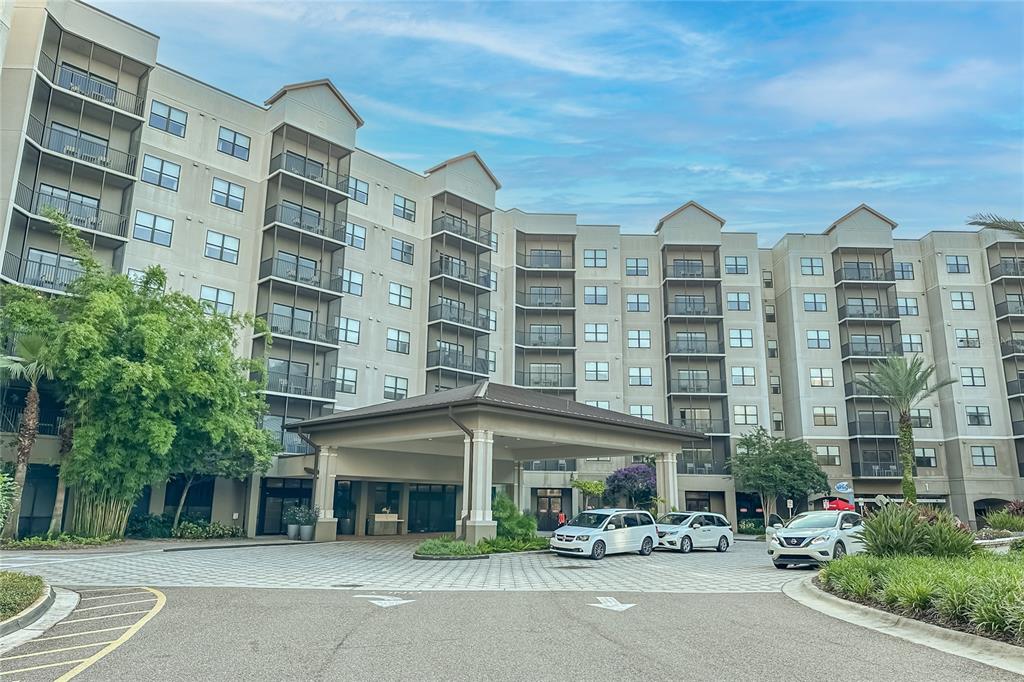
[
  {"x": 824, "y": 537},
  {"x": 776, "y": 539},
  {"x": 583, "y": 538},
  {"x": 672, "y": 532}
]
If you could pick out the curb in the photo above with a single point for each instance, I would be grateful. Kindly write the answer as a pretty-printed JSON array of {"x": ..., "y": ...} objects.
[
  {"x": 472, "y": 557},
  {"x": 62, "y": 604},
  {"x": 30, "y": 614},
  {"x": 980, "y": 649},
  {"x": 238, "y": 546}
]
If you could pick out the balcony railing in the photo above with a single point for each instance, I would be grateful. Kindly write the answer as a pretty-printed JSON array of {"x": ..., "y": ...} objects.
[
  {"x": 89, "y": 86},
  {"x": 852, "y": 274},
  {"x": 868, "y": 312},
  {"x": 703, "y": 425},
  {"x": 550, "y": 465},
  {"x": 701, "y": 464},
  {"x": 43, "y": 275},
  {"x": 545, "y": 340},
  {"x": 290, "y": 443},
  {"x": 302, "y": 220},
  {"x": 300, "y": 274},
  {"x": 546, "y": 379},
  {"x": 855, "y": 390},
  {"x": 1007, "y": 269},
  {"x": 871, "y": 350},
  {"x": 555, "y": 261},
  {"x": 450, "y": 268},
  {"x": 711, "y": 386},
  {"x": 1012, "y": 346},
  {"x": 50, "y": 421},
  {"x": 293, "y": 384},
  {"x": 684, "y": 309},
  {"x": 872, "y": 428},
  {"x": 452, "y": 313},
  {"x": 876, "y": 469},
  {"x": 309, "y": 170},
  {"x": 462, "y": 227},
  {"x": 1015, "y": 387},
  {"x": 1009, "y": 308},
  {"x": 680, "y": 271},
  {"x": 286, "y": 325},
  {"x": 696, "y": 347},
  {"x": 461, "y": 362},
  {"x": 1018, "y": 428},
  {"x": 77, "y": 213},
  {"x": 536, "y": 300},
  {"x": 79, "y": 147}
]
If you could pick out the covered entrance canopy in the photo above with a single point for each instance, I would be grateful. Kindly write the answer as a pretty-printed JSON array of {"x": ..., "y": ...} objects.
[{"x": 478, "y": 436}]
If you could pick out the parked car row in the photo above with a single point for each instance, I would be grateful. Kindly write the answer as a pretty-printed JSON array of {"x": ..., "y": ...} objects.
[{"x": 597, "y": 532}]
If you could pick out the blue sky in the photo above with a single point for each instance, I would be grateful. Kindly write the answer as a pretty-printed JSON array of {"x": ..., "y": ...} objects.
[{"x": 778, "y": 117}]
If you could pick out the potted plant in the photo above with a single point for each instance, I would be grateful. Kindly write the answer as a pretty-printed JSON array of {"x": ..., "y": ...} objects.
[
  {"x": 307, "y": 522},
  {"x": 292, "y": 517}
]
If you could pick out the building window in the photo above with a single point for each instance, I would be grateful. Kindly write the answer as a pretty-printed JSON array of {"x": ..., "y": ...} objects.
[
  {"x": 595, "y": 258},
  {"x": 348, "y": 380},
  {"x": 967, "y": 338},
  {"x": 161, "y": 173},
  {"x": 736, "y": 265},
  {"x": 824, "y": 416},
  {"x": 772, "y": 345},
  {"x": 638, "y": 303},
  {"x": 912, "y": 343},
  {"x": 639, "y": 338},
  {"x": 596, "y": 332},
  {"x": 921, "y": 418},
  {"x": 978, "y": 415},
  {"x": 637, "y": 267},
  {"x": 769, "y": 312},
  {"x": 827, "y": 455},
  {"x": 355, "y": 235},
  {"x": 924, "y": 458},
  {"x": 168, "y": 119},
  {"x": 642, "y": 411},
  {"x": 221, "y": 247},
  {"x": 744, "y": 415},
  {"x": 398, "y": 341},
  {"x": 767, "y": 279},
  {"x": 815, "y": 303},
  {"x": 404, "y": 208},
  {"x": 961, "y": 300},
  {"x": 217, "y": 300},
  {"x": 778, "y": 424},
  {"x": 595, "y": 295},
  {"x": 136, "y": 276},
  {"x": 348, "y": 330},
  {"x": 738, "y": 300},
  {"x": 395, "y": 388},
  {"x": 640, "y": 376},
  {"x": 743, "y": 376},
  {"x": 906, "y": 307},
  {"x": 399, "y": 295},
  {"x": 352, "y": 282},
  {"x": 401, "y": 251},
  {"x": 972, "y": 376},
  {"x": 983, "y": 455},
  {"x": 818, "y": 338},
  {"x": 957, "y": 265},
  {"x": 812, "y": 266},
  {"x": 595, "y": 371},
  {"x": 604, "y": 405},
  {"x": 741, "y": 338},
  {"x": 904, "y": 270},
  {"x": 228, "y": 194},
  {"x": 358, "y": 190},
  {"x": 233, "y": 143},
  {"x": 822, "y": 377},
  {"x": 775, "y": 383},
  {"x": 153, "y": 228}
]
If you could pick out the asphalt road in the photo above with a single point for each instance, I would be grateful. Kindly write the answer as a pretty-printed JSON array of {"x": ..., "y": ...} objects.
[{"x": 284, "y": 634}]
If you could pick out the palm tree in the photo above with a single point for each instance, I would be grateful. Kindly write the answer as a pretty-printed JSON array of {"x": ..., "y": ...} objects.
[
  {"x": 28, "y": 365},
  {"x": 995, "y": 222},
  {"x": 902, "y": 385}
]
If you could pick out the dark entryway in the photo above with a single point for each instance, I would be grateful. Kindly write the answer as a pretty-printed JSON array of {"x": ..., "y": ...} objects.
[
  {"x": 345, "y": 505},
  {"x": 275, "y": 495},
  {"x": 431, "y": 508},
  {"x": 37, "y": 500},
  {"x": 551, "y": 502}
]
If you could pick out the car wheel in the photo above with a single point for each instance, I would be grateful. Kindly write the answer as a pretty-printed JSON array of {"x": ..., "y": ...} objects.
[
  {"x": 723, "y": 544},
  {"x": 597, "y": 551},
  {"x": 686, "y": 544},
  {"x": 778, "y": 565},
  {"x": 646, "y": 547},
  {"x": 839, "y": 551}
]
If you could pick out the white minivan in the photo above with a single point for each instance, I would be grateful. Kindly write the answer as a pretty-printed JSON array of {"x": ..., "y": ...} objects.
[{"x": 597, "y": 532}]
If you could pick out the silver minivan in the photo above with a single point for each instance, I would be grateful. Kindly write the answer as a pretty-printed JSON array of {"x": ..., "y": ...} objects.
[{"x": 597, "y": 532}]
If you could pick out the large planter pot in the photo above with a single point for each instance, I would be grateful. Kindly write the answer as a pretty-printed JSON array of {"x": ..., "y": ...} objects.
[
  {"x": 346, "y": 526},
  {"x": 293, "y": 531},
  {"x": 306, "y": 533}
]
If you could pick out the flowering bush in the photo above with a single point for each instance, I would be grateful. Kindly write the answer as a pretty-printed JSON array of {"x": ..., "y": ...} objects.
[{"x": 636, "y": 482}]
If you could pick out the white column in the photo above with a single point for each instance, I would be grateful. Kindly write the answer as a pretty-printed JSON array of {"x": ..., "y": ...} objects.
[
  {"x": 481, "y": 524},
  {"x": 467, "y": 485},
  {"x": 517, "y": 484},
  {"x": 323, "y": 496},
  {"x": 667, "y": 481}
]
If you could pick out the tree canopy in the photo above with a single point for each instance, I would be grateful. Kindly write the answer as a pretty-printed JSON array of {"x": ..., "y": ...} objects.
[
  {"x": 774, "y": 467},
  {"x": 635, "y": 482}
]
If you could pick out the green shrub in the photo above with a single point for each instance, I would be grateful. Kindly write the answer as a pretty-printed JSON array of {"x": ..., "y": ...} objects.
[
  {"x": 953, "y": 597},
  {"x": 894, "y": 530},
  {"x": 512, "y": 523},
  {"x": 989, "y": 606},
  {"x": 946, "y": 539},
  {"x": 502, "y": 545},
  {"x": 1005, "y": 520},
  {"x": 17, "y": 592},
  {"x": 8, "y": 494},
  {"x": 751, "y": 527},
  {"x": 201, "y": 530},
  {"x": 60, "y": 541},
  {"x": 149, "y": 526},
  {"x": 447, "y": 546}
]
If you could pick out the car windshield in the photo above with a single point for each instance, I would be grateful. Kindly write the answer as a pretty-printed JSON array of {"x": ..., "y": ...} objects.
[
  {"x": 588, "y": 520},
  {"x": 674, "y": 519},
  {"x": 813, "y": 521}
]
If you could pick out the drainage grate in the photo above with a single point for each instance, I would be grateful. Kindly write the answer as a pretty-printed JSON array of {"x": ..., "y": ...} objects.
[{"x": 348, "y": 585}]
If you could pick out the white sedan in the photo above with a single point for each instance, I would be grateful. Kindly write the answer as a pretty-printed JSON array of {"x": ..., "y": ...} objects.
[{"x": 685, "y": 531}]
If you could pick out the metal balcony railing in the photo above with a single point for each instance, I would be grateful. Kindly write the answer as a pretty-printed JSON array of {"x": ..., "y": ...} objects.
[
  {"x": 1015, "y": 387},
  {"x": 1009, "y": 308},
  {"x": 461, "y": 362},
  {"x": 89, "y": 86},
  {"x": 1018, "y": 427},
  {"x": 853, "y": 389},
  {"x": 78, "y": 147},
  {"x": 702, "y": 386},
  {"x": 701, "y": 464},
  {"x": 42, "y": 275},
  {"x": 302, "y": 329},
  {"x": 481, "y": 277},
  {"x": 452, "y": 313},
  {"x": 686, "y": 309},
  {"x": 688, "y": 271},
  {"x": 868, "y": 312},
  {"x": 293, "y": 384},
  {"x": 876, "y": 469},
  {"x": 1011, "y": 346},
  {"x": 78, "y": 214},
  {"x": 304, "y": 220},
  {"x": 290, "y": 443},
  {"x": 538, "y": 300},
  {"x": 696, "y": 347},
  {"x": 703, "y": 425},
  {"x": 872, "y": 428},
  {"x": 862, "y": 274},
  {"x": 309, "y": 169},
  {"x": 546, "y": 379},
  {"x": 553, "y": 261},
  {"x": 50, "y": 421},
  {"x": 545, "y": 340},
  {"x": 1007, "y": 269},
  {"x": 300, "y": 274},
  {"x": 462, "y": 227},
  {"x": 871, "y": 350}
]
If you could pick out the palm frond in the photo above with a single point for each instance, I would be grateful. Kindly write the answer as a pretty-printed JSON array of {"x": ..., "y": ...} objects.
[
  {"x": 995, "y": 222},
  {"x": 901, "y": 383}
]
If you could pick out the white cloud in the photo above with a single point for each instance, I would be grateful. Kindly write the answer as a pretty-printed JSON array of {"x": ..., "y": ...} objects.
[{"x": 493, "y": 123}]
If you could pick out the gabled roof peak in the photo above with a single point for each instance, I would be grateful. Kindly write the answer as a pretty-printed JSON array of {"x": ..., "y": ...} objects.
[
  {"x": 689, "y": 204},
  {"x": 326, "y": 82},
  {"x": 892, "y": 223},
  {"x": 468, "y": 155}
]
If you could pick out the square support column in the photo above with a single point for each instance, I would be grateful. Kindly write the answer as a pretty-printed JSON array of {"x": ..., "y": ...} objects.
[
  {"x": 252, "y": 505},
  {"x": 481, "y": 524},
  {"x": 323, "y": 497},
  {"x": 667, "y": 482}
]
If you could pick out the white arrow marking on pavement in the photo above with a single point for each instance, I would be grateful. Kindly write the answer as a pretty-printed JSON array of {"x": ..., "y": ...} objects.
[
  {"x": 612, "y": 604},
  {"x": 384, "y": 601}
]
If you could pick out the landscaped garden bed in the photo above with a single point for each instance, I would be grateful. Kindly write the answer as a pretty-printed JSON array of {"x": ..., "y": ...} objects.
[
  {"x": 62, "y": 541},
  {"x": 450, "y": 547},
  {"x": 17, "y": 592}
]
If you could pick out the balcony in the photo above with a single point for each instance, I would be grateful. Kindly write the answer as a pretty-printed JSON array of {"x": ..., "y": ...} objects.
[
  {"x": 301, "y": 275},
  {"x": 701, "y": 464},
  {"x": 697, "y": 386},
  {"x": 696, "y": 347},
  {"x": 538, "y": 261},
  {"x": 50, "y": 421},
  {"x": 868, "y": 312},
  {"x": 691, "y": 271},
  {"x": 41, "y": 275},
  {"x": 458, "y": 361},
  {"x": 544, "y": 340},
  {"x": 445, "y": 312},
  {"x": 90, "y": 87},
  {"x": 78, "y": 214},
  {"x": 703, "y": 425},
  {"x": 307, "y": 387},
  {"x": 284, "y": 325},
  {"x": 1018, "y": 428},
  {"x": 546, "y": 379},
  {"x": 683, "y": 309},
  {"x": 304, "y": 220},
  {"x": 871, "y": 350},
  {"x": 446, "y": 267},
  {"x": 855, "y": 390},
  {"x": 1012, "y": 347},
  {"x": 1004, "y": 308},
  {"x": 876, "y": 469},
  {"x": 1009, "y": 268},
  {"x": 75, "y": 146},
  {"x": 1015, "y": 387},
  {"x": 307, "y": 169},
  {"x": 873, "y": 428},
  {"x": 290, "y": 444},
  {"x": 526, "y": 299},
  {"x": 461, "y": 227},
  {"x": 867, "y": 275}
]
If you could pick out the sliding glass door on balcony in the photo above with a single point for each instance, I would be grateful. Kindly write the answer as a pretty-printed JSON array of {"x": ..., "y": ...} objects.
[{"x": 51, "y": 270}]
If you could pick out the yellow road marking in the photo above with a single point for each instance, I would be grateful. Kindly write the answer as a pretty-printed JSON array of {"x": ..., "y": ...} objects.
[
  {"x": 112, "y": 615},
  {"x": 108, "y": 589},
  {"x": 79, "y": 634},
  {"x": 40, "y": 667},
  {"x": 55, "y": 651},
  {"x": 128, "y": 634},
  {"x": 110, "y": 606},
  {"x": 108, "y": 596}
]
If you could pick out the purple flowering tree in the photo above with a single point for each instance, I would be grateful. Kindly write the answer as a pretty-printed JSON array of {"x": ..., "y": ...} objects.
[{"x": 637, "y": 483}]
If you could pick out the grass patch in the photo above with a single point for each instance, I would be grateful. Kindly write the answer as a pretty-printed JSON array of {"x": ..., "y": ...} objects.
[
  {"x": 17, "y": 592},
  {"x": 449, "y": 546},
  {"x": 62, "y": 541}
]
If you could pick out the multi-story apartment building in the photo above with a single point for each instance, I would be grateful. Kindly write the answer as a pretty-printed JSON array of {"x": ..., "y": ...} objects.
[{"x": 379, "y": 282}]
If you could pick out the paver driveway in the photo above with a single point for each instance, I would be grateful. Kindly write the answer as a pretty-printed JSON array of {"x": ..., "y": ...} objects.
[{"x": 388, "y": 565}]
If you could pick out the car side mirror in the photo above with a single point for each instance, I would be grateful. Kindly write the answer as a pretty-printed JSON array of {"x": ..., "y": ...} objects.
[
  {"x": 695, "y": 525},
  {"x": 846, "y": 526},
  {"x": 776, "y": 525},
  {"x": 610, "y": 526}
]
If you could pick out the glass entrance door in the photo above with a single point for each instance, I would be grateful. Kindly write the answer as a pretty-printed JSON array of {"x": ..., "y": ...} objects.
[
  {"x": 431, "y": 508},
  {"x": 549, "y": 506}
]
